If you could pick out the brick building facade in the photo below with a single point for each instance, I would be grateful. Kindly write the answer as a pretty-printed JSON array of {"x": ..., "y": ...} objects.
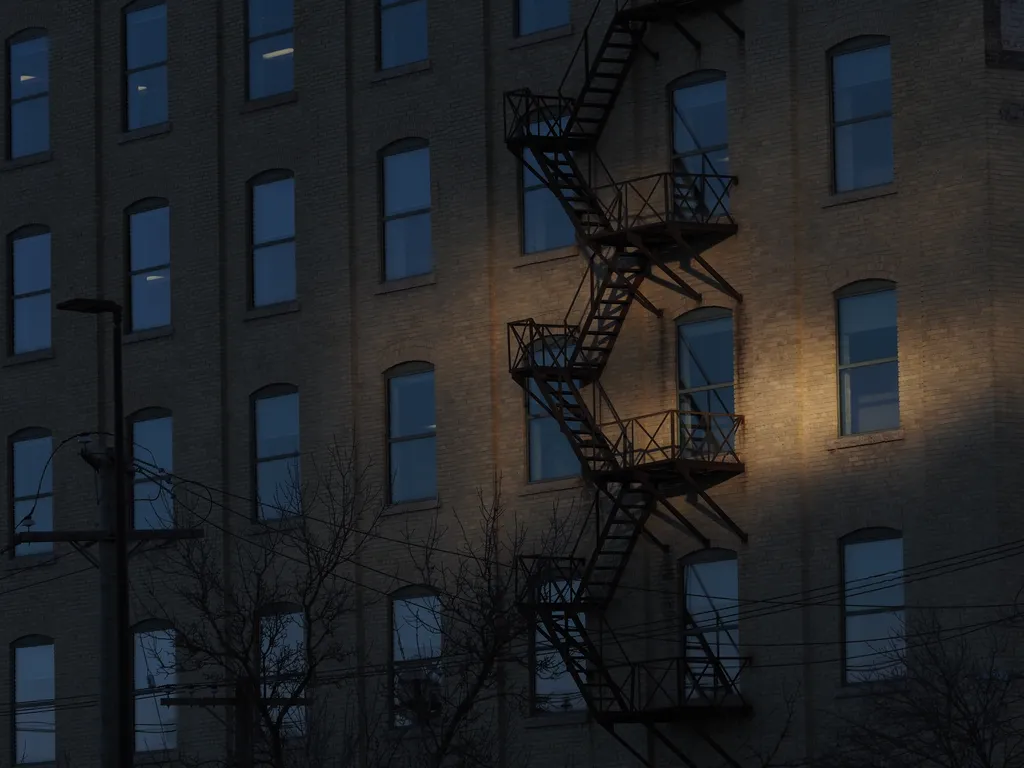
[{"x": 943, "y": 231}]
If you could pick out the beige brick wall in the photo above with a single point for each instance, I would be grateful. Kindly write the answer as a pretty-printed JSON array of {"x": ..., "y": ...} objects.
[{"x": 947, "y": 231}]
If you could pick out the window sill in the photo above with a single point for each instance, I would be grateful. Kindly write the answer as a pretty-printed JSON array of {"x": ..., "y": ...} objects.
[
  {"x": 27, "y": 160},
  {"x": 868, "y": 689},
  {"x": 556, "y": 719},
  {"x": 551, "y": 486},
  {"x": 859, "y": 195},
  {"x": 148, "y": 333},
  {"x": 271, "y": 310},
  {"x": 156, "y": 756},
  {"x": 866, "y": 438},
  {"x": 144, "y": 133},
  {"x": 542, "y": 36},
  {"x": 23, "y": 562},
  {"x": 28, "y": 357},
  {"x": 408, "y": 507},
  {"x": 267, "y": 102},
  {"x": 401, "y": 71},
  {"x": 260, "y": 527},
  {"x": 406, "y": 284},
  {"x": 546, "y": 257}
]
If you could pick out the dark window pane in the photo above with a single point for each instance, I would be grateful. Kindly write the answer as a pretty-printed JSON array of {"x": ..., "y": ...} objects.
[
  {"x": 545, "y": 222},
  {"x": 30, "y": 457},
  {"x": 33, "y": 673},
  {"x": 277, "y": 425},
  {"x": 32, "y": 323},
  {"x": 153, "y": 506},
  {"x": 147, "y": 36},
  {"x": 273, "y": 210},
  {"x": 414, "y": 469},
  {"x": 700, "y": 117},
  {"x": 30, "y": 126},
  {"x": 407, "y": 247},
  {"x": 147, "y": 97},
  {"x": 150, "y": 235},
  {"x": 278, "y": 487},
  {"x": 36, "y": 734},
  {"x": 861, "y": 81},
  {"x": 155, "y": 724},
  {"x": 151, "y": 299},
  {"x": 403, "y": 33},
  {"x": 41, "y": 510},
  {"x": 32, "y": 264},
  {"x": 407, "y": 181},
  {"x": 153, "y": 444},
  {"x": 870, "y": 398},
  {"x": 872, "y": 574},
  {"x": 867, "y": 327},
  {"x": 411, "y": 404},
  {"x": 416, "y": 630},
  {"x": 703, "y": 434},
  {"x": 266, "y": 16},
  {"x": 30, "y": 68},
  {"x": 705, "y": 353},
  {"x": 874, "y": 646},
  {"x": 271, "y": 66},
  {"x": 273, "y": 274},
  {"x": 551, "y": 454},
  {"x": 864, "y": 156},
  {"x": 535, "y": 15}
]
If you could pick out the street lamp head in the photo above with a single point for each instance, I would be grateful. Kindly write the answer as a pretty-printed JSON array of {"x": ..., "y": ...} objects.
[{"x": 91, "y": 306}]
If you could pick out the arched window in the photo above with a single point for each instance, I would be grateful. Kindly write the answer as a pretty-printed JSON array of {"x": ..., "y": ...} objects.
[
  {"x": 873, "y": 604},
  {"x": 868, "y": 357},
  {"x": 156, "y": 675},
  {"x": 538, "y": 15},
  {"x": 284, "y": 665},
  {"x": 272, "y": 232},
  {"x": 403, "y": 32},
  {"x": 416, "y": 647},
  {"x": 412, "y": 432},
  {"x": 700, "y": 144},
  {"x": 270, "y": 28},
  {"x": 145, "y": 64},
  {"x": 31, "y": 473},
  {"x": 706, "y": 381},
  {"x": 28, "y": 110},
  {"x": 711, "y": 617},
  {"x": 551, "y": 454},
  {"x": 31, "y": 302},
  {"x": 406, "y": 203},
  {"x": 149, "y": 264},
  {"x": 34, "y": 737},
  {"x": 277, "y": 474},
  {"x": 861, "y": 113},
  {"x": 152, "y": 435}
]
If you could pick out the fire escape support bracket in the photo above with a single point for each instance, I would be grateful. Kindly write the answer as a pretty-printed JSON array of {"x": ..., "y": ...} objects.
[
  {"x": 712, "y": 742},
  {"x": 678, "y": 519},
  {"x": 731, "y": 25},
  {"x": 649, "y": 51},
  {"x": 610, "y": 727},
  {"x": 675, "y": 750},
  {"x": 681, "y": 285},
  {"x": 689, "y": 38},
  {"x": 719, "y": 515},
  {"x": 647, "y": 304},
  {"x": 724, "y": 284}
]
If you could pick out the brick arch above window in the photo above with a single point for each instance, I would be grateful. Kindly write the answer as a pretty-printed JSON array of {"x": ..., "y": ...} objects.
[
  {"x": 30, "y": 433},
  {"x": 146, "y": 204},
  {"x": 28, "y": 230},
  {"x": 841, "y": 277},
  {"x": 152, "y": 625},
  {"x": 28, "y": 33},
  {"x": 858, "y": 43},
  {"x": 870, "y": 533},
  {"x": 270, "y": 174},
  {"x": 408, "y": 367},
  {"x": 697, "y": 77},
  {"x": 708, "y": 555},
  {"x": 404, "y": 144},
  {"x": 867, "y": 285},
  {"x": 701, "y": 314}
]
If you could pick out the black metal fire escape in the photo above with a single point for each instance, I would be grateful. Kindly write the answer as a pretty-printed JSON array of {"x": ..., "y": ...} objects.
[{"x": 629, "y": 231}]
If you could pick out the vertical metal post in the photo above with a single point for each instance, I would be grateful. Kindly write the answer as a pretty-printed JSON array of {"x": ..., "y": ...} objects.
[{"x": 109, "y": 640}]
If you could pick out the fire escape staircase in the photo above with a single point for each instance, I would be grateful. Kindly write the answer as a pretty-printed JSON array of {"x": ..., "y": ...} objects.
[{"x": 626, "y": 230}]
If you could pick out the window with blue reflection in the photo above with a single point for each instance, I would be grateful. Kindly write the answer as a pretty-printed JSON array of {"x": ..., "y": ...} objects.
[
  {"x": 862, "y": 117},
  {"x": 551, "y": 452},
  {"x": 271, "y": 48},
  {"x": 278, "y": 480},
  {"x": 29, "y": 89},
  {"x": 537, "y": 15},
  {"x": 35, "y": 732},
  {"x": 546, "y": 225},
  {"x": 156, "y": 726},
  {"x": 873, "y": 605},
  {"x": 554, "y": 687},
  {"x": 145, "y": 65},
  {"x": 32, "y": 489},
  {"x": 408, "y": 248},
  {"x": 30, "y": 291},
  {"x": 706, "y": 381},
  {"x": 412, "y": 437},
  {"x": 273, "y": 240},
  {"x": 868, "y": 359},
  {"x": 149, "y": 234},
  {"x": 152, "y": 452},
  {"x": 711, "y": 586},
  {"x": 403, "y": 32},
  {"x": 700, "y": 146}
]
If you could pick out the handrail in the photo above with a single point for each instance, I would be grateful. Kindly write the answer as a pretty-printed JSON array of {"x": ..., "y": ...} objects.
[
  {"x": 674, "y": 435},
  {"x": 660, "y": 198}
]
